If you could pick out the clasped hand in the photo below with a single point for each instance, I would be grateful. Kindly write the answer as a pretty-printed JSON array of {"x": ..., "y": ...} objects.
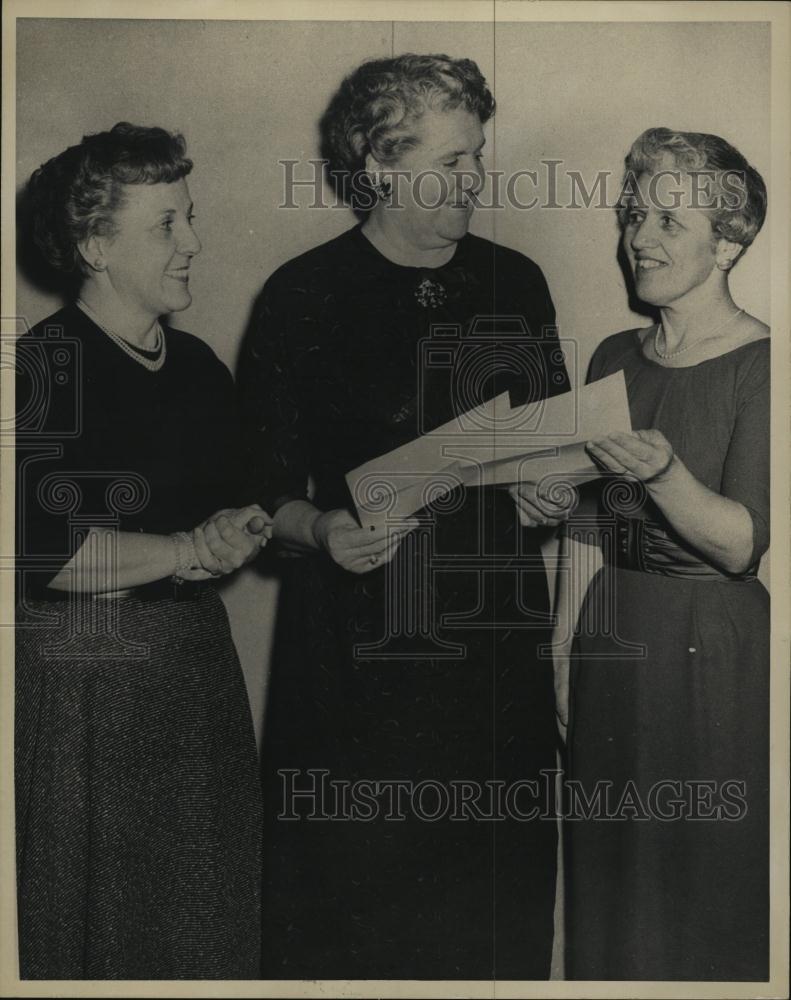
[{"x": 228, "y": 540}]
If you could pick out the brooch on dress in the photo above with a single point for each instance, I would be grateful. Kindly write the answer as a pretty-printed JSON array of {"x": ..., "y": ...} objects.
[{"x": 430, "y": 294}]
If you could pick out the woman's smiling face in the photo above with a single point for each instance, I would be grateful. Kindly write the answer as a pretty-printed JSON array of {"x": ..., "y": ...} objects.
[
  {"x": 670, "y": 245},
  {"x": 147, "y": 259}
]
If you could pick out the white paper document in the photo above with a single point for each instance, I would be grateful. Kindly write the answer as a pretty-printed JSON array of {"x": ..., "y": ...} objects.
[{"x": 492, "y": 444}]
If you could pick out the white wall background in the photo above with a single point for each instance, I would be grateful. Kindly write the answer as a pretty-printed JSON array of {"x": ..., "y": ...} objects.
[{"x": 247, "y": 94}]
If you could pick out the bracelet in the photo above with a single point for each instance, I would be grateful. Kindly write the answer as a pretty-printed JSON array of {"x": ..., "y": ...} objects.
[{"x": 186, "y": 557}]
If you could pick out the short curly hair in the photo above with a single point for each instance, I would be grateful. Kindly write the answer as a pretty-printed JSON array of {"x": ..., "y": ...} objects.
[
  {"x": 737, "y": 189},
  {"x": 377, "y": 106},
  {"x": 76, "y": 194}
]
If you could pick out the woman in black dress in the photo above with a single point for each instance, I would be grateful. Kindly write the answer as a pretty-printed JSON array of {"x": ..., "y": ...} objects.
[
  {"x": 406, "y": 656},
  {"x": 137, "y": 794},
  {"x": 668, "y": 713}
]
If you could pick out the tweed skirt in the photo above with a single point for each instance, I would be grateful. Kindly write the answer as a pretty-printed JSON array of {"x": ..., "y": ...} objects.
[{"x": 138, "y": 805}]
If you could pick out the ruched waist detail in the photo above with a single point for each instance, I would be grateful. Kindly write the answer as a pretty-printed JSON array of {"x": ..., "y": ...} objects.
[{"x": 645, "y": 546}]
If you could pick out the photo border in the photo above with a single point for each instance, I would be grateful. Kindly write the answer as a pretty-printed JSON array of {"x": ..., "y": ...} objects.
[{"x": 778, "y": 15}]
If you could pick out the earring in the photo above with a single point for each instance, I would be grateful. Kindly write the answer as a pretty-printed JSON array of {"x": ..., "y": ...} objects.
[
  {"x": 99, "y": 265},
  {"x": 382, "y": 189}
]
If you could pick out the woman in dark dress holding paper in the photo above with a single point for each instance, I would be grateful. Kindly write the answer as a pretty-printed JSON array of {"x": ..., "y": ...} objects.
[
  {"x": 409, "y": 656},
  {"x": 669, "y": 705}
]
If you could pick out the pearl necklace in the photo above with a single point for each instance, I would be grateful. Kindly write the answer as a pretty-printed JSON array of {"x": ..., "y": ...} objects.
[
  {"x": 695, "y": 343},
  {"x": 152, "y": 364}
]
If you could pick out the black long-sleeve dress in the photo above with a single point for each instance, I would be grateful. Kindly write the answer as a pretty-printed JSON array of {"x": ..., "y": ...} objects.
[
  {"x": 138, "y": 804},
  {"x": 668, "y": 869},
  {"x": 421, "y": 671}
]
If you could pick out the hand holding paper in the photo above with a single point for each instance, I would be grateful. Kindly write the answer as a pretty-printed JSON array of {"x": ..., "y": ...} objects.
[
  {"x": 356, "y": 549},
  {"x": 647, "y": 455},
  {"x": 536, "y": 510}
]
